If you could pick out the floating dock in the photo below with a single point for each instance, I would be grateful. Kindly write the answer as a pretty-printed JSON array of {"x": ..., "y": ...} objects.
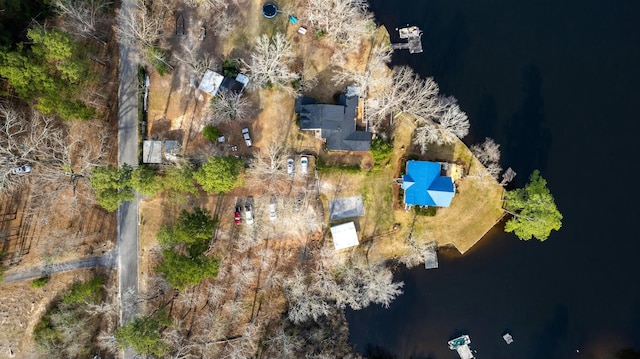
[
  {"x": 413, "y": 35},
  {"x": 461, "y": 345}
]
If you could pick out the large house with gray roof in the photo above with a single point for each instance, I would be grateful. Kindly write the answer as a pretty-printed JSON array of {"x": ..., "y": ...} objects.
[{"x": 336, "y": 124}]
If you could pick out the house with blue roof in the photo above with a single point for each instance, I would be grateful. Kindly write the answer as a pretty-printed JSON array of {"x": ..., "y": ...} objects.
[{"x": 424, "y": 185}]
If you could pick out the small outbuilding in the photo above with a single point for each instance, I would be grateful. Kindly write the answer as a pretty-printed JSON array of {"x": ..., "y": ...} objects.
[
  {"x": 347, "y": 207},
  {"x": 344, "y": 236},
  {"x": 211, "y": 82},
  {"x": 171, "y": 150},
  {"x": 151, "y": 151}
]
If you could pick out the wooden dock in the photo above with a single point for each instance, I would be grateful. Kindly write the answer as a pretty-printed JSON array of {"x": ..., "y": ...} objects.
[{"x": 413, "y": 35}]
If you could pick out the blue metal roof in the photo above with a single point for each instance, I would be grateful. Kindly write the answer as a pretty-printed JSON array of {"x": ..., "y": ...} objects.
[{"x": 423, "y": 185}]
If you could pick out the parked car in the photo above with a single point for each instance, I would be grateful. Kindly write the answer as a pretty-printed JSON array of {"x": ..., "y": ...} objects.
[
  {"x": 304, "y": 165},
  {"x": 24, "y": 169},
  {"x": 248, "y": 213},
  {"x": 290, "y": 166},
  {"x": 272, "y": 212},
  {"x": 247, "y": 137},
  {"x": 237, "y": 219}
]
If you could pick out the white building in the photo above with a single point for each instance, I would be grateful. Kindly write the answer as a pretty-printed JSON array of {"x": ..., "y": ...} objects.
[{"x": 344, "y": 236}]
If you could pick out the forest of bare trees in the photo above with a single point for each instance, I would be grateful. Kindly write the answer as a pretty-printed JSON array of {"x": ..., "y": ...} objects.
[{"x": 85, "y": 18}]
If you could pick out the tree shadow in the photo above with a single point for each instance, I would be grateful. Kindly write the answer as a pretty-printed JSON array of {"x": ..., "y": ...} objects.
[
  {"x": 486, "y": 116},
  {"x": 528, "y": 136},
  {"x": 554, "y": 333},
  {"x": 378, "y": 352}
]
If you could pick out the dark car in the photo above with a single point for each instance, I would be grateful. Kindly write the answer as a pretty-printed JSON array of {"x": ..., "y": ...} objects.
[{"x": 237, "y": 217}]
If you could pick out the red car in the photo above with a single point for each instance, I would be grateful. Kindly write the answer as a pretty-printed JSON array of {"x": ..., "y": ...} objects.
[{"x": 237, "y": 217}]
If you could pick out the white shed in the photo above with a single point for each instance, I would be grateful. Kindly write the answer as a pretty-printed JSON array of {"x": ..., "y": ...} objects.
[
  {"x": 344, "y": 236},
  {"x": 211, "y": 82}
]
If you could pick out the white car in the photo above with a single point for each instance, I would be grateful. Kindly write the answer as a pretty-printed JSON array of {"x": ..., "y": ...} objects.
[
  {"x": 272, "y": 212},
  {"x": 290, "y": 166},
  {"x": 304, "y": 165},
  {"x": 247, "y": 137},
  {"x": 24, "y": 169},
  {"x": 248, "y": 214}
]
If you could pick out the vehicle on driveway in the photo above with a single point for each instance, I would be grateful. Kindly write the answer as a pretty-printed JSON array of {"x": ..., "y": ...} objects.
[
  {"x": 24, "y": 169},
  {"x": 304, "y": 165},
  {"x": 248, "y": 213},
  {"x": 290, "y": 166},
  {"x": 272, "y": 212},
  {"x": 247, "y": 137},
  {"x": 237, "y": 219}
]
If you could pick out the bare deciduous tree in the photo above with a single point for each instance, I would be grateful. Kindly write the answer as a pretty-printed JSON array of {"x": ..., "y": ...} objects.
[
  {"x": 270, "y": 63},
  {"x": 27, "y": 139},
  {"x": 228, "y": 106},
  {"x": 488, "y": 153},
  {"x": 138, "y": 27},
  {"x": 181, "y": 347},
  {"x": 416, "y": 254},
  {"x": 195, "y": 60},
  {"x": 304, "y": 304},
  {"x": 406, "y": 92},
  {"x": 107, "y": 341},
  {"x": 209, "y": 5},
  {"x": 85, "y": 18},
  {"x": 365, "y": 283},
  {"x": 373, "y": 77},
  {"x": 269, "y": 166},
  {"x": 346, "y": 22},
  {"x": 446, "y": 123},
  {"x": 285, "y": 344}
]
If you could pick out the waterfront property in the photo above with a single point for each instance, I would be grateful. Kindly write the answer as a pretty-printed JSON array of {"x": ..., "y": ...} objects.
[
  {"x": 461, "y": 345},
  {"x": 336, "y": 124},
  {"x": 424, "y": 185}
]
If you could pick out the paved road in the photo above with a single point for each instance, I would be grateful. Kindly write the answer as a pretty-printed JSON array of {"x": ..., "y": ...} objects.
[
  {"x": 106, "y": 260},
  {"x": 127, "y": 242}
]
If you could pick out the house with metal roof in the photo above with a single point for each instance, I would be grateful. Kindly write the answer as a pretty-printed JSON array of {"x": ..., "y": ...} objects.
[
  {"x": 336, "y": 124},
  {"x": 212, "y": 82},
  {"x": 424, "y": 185},
  {"x": 344, "y": 236}
]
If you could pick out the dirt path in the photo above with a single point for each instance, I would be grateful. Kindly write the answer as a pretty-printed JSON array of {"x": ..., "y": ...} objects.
[{"x": 106, "y": 260}]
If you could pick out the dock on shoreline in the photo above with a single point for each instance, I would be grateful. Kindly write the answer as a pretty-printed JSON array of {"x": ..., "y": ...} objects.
[{"x": 413, "y": 35}]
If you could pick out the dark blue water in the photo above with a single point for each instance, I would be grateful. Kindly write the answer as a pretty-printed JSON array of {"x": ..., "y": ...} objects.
[{"x": 557, "y": 83}]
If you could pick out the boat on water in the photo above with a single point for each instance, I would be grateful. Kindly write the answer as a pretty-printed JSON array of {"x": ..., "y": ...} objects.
[{"x": 461, "y": 345}]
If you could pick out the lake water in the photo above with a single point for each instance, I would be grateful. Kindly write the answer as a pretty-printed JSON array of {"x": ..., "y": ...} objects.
[{"x": 557, "y": 84}]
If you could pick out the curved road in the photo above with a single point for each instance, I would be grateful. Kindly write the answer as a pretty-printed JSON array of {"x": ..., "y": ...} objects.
[{"x": 106, "y": 260}]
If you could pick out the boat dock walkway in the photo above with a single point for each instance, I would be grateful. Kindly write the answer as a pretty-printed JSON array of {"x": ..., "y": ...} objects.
[{"x": 413, "y": 35}]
